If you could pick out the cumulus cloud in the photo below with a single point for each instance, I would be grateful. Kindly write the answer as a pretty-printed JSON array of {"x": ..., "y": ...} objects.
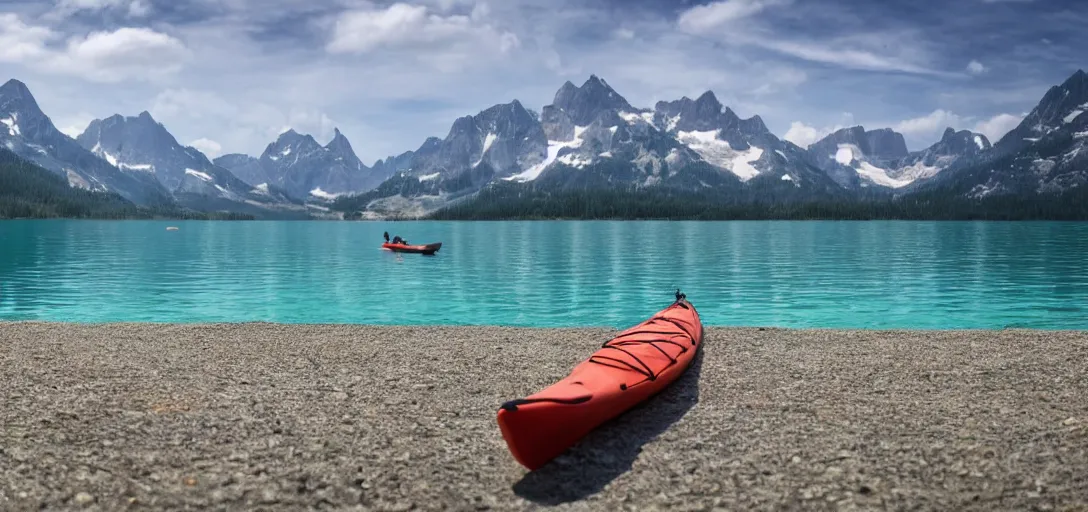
[
  {"x": 123, "y": 54},
  {"x": 929, "y": 124},
  {"x": 104, "y": 56},
  {"x": 404, "y": 26},
  {"x": 975, "y": 67},
  {"x": 805, "y": 135},
  {"x": 927, "y": 129},
  {"x": 997, "y": 126},
  {"x": 210, "y": 148},
  {"x": 73, "y": 125},
  {"x": 20, "y": 42}
]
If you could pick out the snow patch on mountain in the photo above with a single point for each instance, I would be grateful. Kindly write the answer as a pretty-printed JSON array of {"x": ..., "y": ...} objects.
[
  {"x": 317, "y": 192},
  {"x": 488, "y": 141},
  {"x": 1076, "y": 112},
  {"x": 202, "y": 175},
  {"x": 639, "y": 118},
  {"x": 742, "y": 164},
  {"x": 12, "y": 122},
  {"x": 429, "y": 177},
  {"x": 918, "y": 171},
  {"x": 719, "y": 153},
  {"x": 879, "y": 176},
  {"x": 845, "y": 154},
  {"x": 707, "y": 144},
  {"x": 102, "y": 153},
  {"x": 671, "y": 123},
  {"x": 575, "y": 160},
  {"x": 848, "y": 155},
  {"x": 979, "y": 143},
  {"x": 554, "y": 148}
]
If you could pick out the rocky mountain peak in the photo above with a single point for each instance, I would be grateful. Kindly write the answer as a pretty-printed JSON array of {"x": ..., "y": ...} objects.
[
  {"x": 584, "y": 104},
  {"x": 19, "y": 108},
  {"x": 340, "y": 144},
  {"x": 1059, "y": 107},
  {"x": 16, "y": 90},
  {"x": 708, "y": 102},
  {"x": 886, "y": 143}
]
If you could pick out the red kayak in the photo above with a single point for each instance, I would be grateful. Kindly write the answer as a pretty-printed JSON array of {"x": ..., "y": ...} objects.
[
  {"x": 421, "y": 249},
  {"x": 626, "y": 370}
]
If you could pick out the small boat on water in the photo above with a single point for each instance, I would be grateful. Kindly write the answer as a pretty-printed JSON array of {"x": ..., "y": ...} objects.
[
  {"x": 427, "y": 249},
  {"x": 627, "y": 370}
]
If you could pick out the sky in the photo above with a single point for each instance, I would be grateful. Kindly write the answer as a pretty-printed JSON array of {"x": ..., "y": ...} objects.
[{"x": 228, "y": 76}]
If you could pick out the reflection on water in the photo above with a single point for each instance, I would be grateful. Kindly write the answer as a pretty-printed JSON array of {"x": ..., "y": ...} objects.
[{"x": 790, "y": 274}]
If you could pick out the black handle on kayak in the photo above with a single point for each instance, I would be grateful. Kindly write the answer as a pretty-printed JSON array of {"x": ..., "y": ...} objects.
[{"x": 680, "y": 296}]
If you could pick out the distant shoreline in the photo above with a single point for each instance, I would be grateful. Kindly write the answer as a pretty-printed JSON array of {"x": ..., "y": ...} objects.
[{"x": 286, "y": 417}]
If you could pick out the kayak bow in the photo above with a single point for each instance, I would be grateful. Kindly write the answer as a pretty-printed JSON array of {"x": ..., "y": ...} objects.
[{"x": 628, "y": 369}]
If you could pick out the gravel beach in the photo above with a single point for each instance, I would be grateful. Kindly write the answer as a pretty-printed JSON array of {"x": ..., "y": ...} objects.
[{"x": 289, "y": 417}]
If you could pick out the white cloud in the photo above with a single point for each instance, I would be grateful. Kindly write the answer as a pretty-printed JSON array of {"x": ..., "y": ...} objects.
[
  {"x": 712, "y": 16},
  {"x": 804, "y": 135},
  {"x": 997, "y": 126},
  {"x": 106, "y": 57},
  {"x": 927, "y": 129},
  {"x": 975, "y": 67},
  {"x": 73, "y": 125},
  {"x": 933, "y": 123},
  {"x": 210, "y": 148},
  {"x": 403, "y": 26},
  {"x": 124, "y": 54},
  {"x": 20, "y": 42}
]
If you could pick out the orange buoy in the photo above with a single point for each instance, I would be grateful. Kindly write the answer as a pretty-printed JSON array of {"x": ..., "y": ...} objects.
[{"x": 628, "y": 369}]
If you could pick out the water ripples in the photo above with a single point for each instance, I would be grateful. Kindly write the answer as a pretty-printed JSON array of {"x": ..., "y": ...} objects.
[{"x": 790, "y": 274}]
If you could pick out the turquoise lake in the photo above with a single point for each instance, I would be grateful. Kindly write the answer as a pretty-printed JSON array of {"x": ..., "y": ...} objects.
[{"x": 914, "y": 275}]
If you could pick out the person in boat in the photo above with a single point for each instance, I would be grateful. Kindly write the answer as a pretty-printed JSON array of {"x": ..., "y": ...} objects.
[{"x": 396, "y": 239}]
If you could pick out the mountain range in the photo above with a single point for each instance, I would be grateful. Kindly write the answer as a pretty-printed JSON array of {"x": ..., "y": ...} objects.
[{"x": 590, "y": 138}]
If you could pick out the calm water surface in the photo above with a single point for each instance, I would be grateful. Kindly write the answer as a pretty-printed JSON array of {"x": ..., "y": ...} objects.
[{"x": 790, "y": 274}]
